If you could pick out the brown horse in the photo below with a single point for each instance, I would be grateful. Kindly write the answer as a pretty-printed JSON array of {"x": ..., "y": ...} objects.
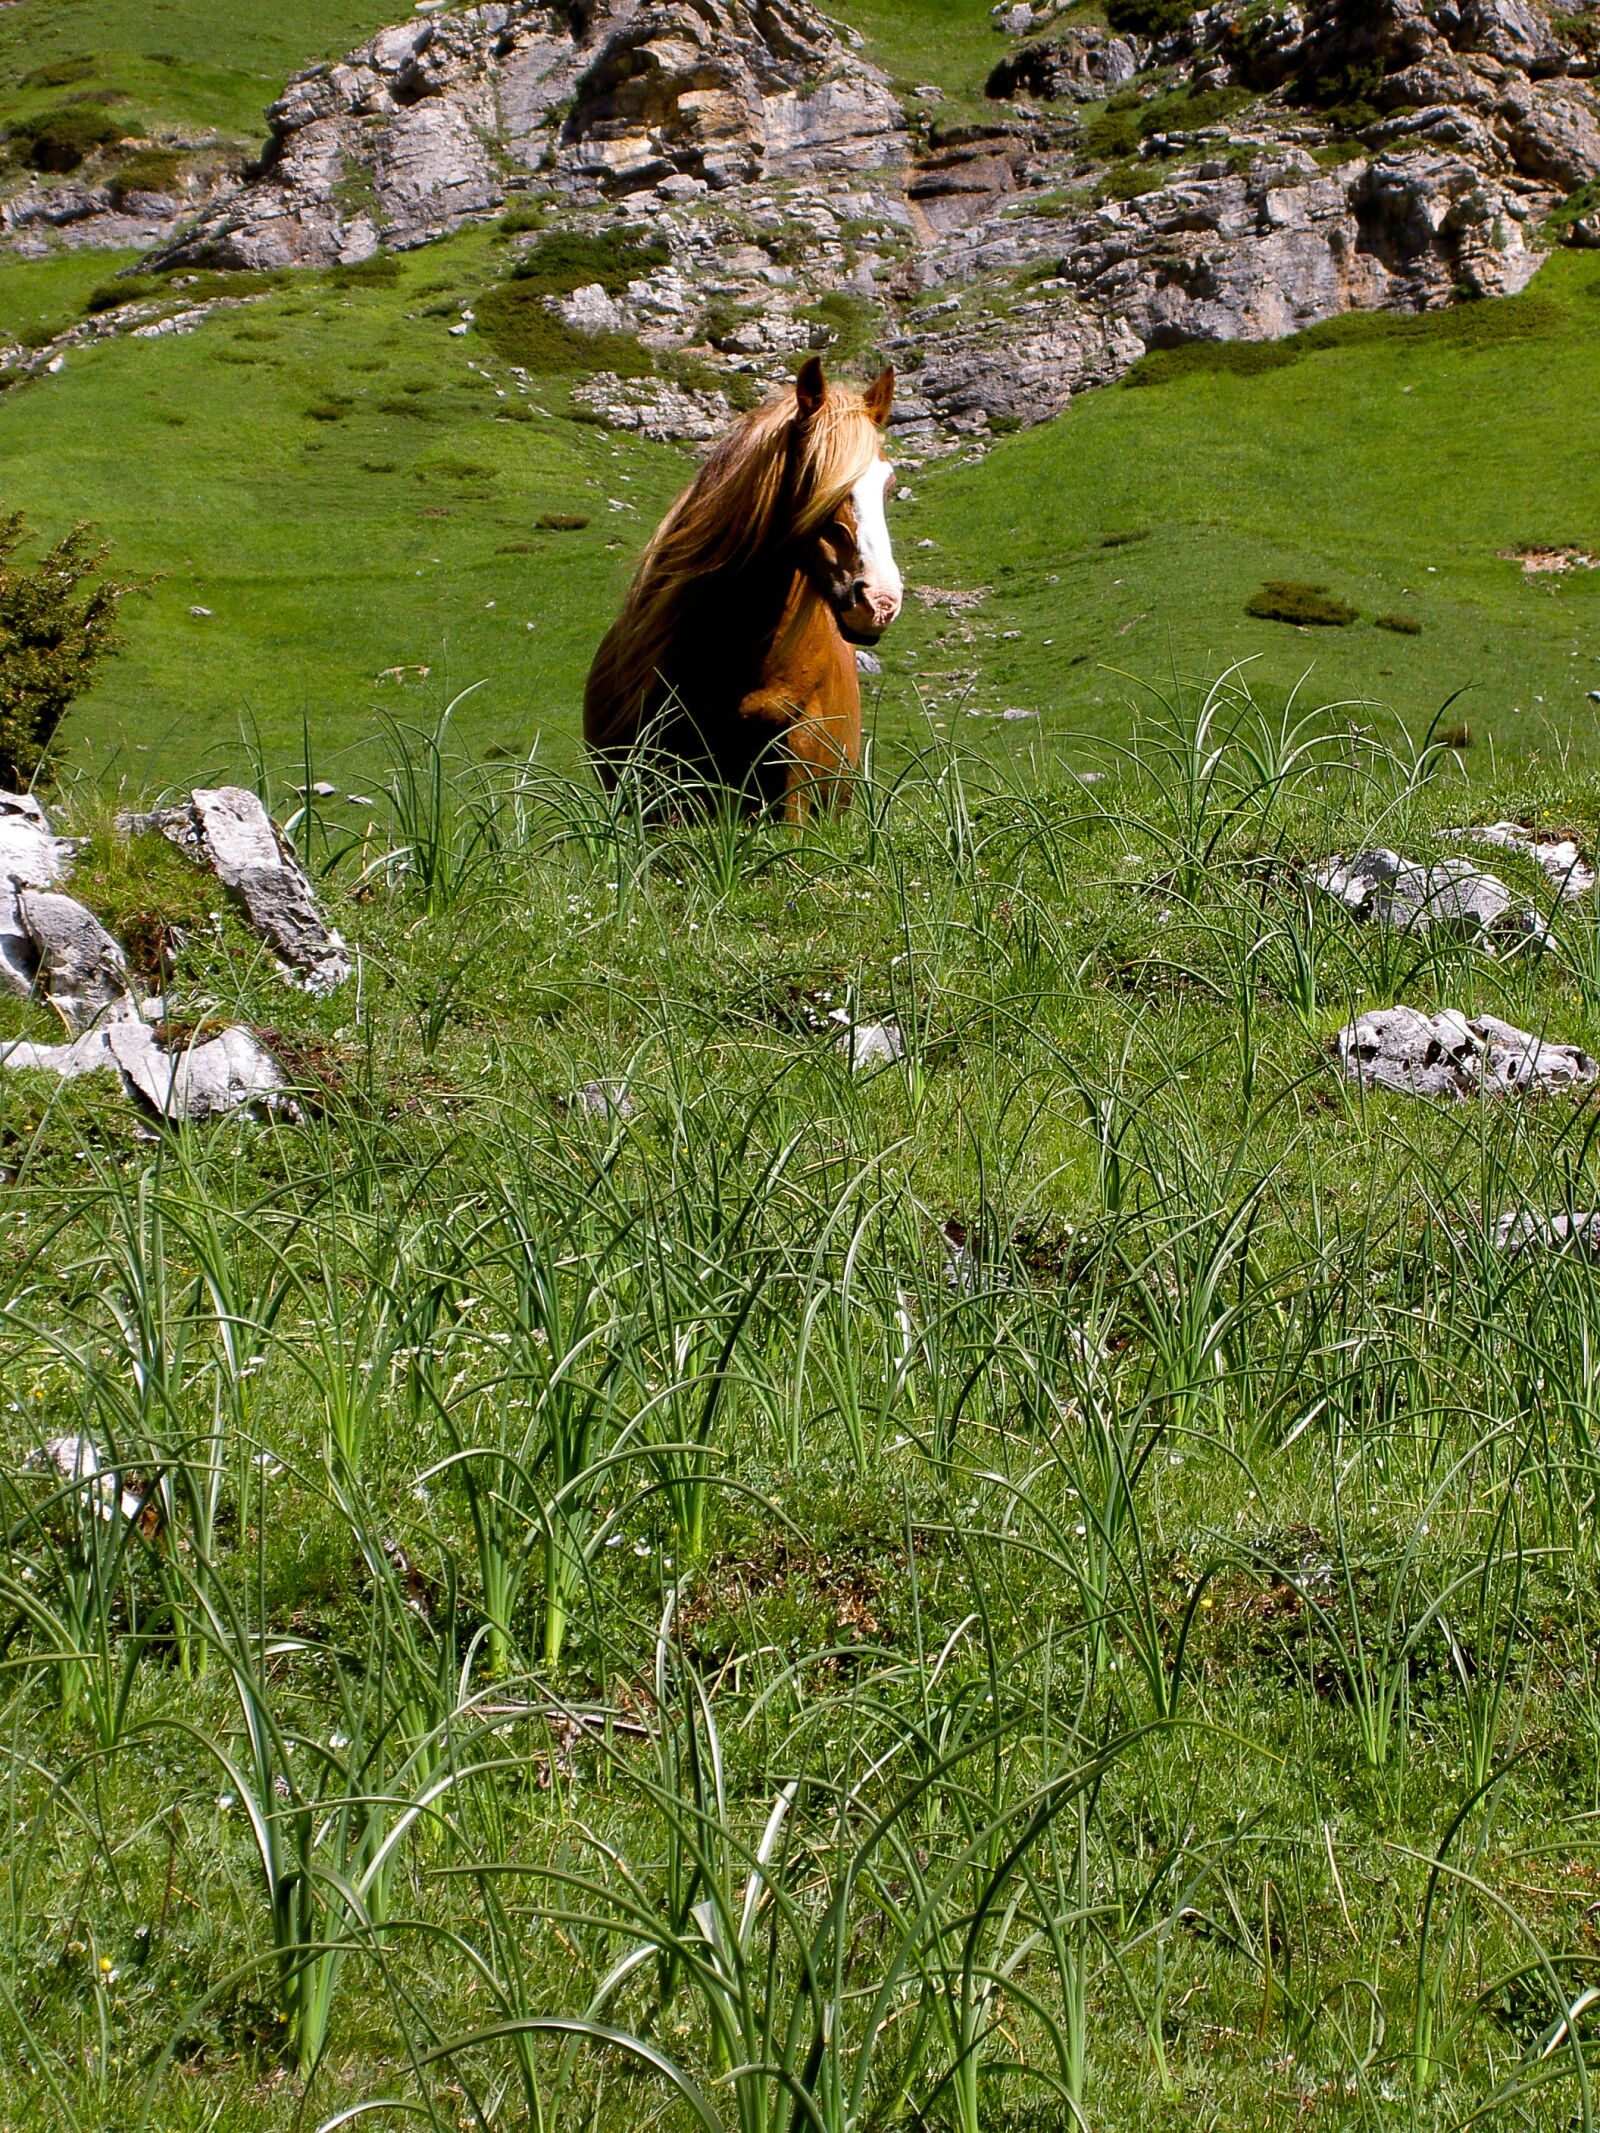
[{"x": 731, "y": 665}]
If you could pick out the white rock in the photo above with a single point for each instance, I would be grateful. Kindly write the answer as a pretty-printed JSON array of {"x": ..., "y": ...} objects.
[
  {"x": 230, "y": 831},
  {"x": 868, "y": 1044},
  {"x": 1446, "y": 1055},
  {"x": 1558, "y": 857},
  {"x": 1521, "y": 1230},
  {"x": 203, "y": 1080},
  {"x": 76, "y": 1459}
]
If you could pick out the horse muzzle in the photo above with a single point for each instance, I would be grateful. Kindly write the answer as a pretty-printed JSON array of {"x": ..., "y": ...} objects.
[{"x": 864, "y": 620}]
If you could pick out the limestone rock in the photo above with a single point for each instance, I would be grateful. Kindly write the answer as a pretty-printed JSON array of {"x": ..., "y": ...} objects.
[
  {"x": 78, "y": 1460},
  {"x": 1080, "y": 66},
  {"x": 1558, "y": 857},
  {"x": 420, "y": 129},
  {"x": 31, "y": 857},
  {"x": 868, "y": 1044},
  {"x": 80, "y": 969},
  {"x": 1397, "y": 892},
  {"x": 200, "y": 1081},
  {"x": 229, "y": 831},
  {"x": 1520, "y": 1230},
  {"x": 1448, "y": 1056}
]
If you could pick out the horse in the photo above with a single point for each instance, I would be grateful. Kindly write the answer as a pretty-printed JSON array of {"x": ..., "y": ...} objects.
[{"x": 732, "y": 663}]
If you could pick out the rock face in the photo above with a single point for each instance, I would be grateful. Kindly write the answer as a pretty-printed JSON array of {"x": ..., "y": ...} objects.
[
  {"x": 1448, "y": 1056},
  {"x": 229, "y": 831},
  {"x": 1081, "y": 66},
  {"x": 421, "y": 129}
]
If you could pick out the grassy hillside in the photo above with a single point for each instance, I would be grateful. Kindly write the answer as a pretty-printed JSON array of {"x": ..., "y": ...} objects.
[
  {"x": 1400, "y": 462},
  {"x": 335, "y": 476},
  {"x": 173, "y": 66}
]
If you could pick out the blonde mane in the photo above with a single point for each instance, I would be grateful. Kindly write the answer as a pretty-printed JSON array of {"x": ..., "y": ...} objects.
[{"x": 722, "y": 523}]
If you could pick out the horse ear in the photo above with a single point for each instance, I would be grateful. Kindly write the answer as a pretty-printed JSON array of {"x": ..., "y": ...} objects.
[
  {"x": 880, "y": 397},
  {"x": 811, "y": 388}
]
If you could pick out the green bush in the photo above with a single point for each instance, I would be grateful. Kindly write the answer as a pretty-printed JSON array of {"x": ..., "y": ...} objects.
[
  {"x": 58, "y": 623},
  {"x": 560, "y": 522},
  {"x": 513, "y": 319},
  {"x": 1292, "y": 600},
  {"x": 60, "y": 73},
  {"x": 1112, "y": 134},
  {"x": 60, "y": 140},
  {"x": 573, "y": 259},
  {"x": 1148, "y": 18},
  {"x": 1402, "y": 625},
  {"x": 150, "y": 170},
  {"x": 380, "y": 271}
]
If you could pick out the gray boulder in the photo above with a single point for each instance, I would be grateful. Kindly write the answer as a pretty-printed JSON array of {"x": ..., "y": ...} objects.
[
  {"x": 1450, "y": 894},
  {"x": 1448, "y": 1056},
  {"x": 1557, "y": 857},
  {"x": 79, "y": 968},
  {"x": 1521, "y": 1230},
  {"x": 201, "y": 1080}
]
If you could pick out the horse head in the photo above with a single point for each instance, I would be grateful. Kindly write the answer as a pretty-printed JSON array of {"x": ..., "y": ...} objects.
[{"x": 848, "y": 556}]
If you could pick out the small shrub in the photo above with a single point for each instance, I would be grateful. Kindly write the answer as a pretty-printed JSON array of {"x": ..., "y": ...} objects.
[
  {"x": 518, "y": 548},
  {"x": 380, "y": 271},
  {"x": 1130, "y": 181},
  {"x": 397, "y": 404},
  {"x": 59, "y": 73},
  {"x": 1454, "y": 737},
  {"x": 320, "y": 410},
  {"x": 361, "y": 363},
  {"x": 454, "y": 470},
  {"x": 1292, "y": 600},
  {"x": 519, "y": 221},
  {"x": 58, "y": 624},
  {"x": 1112, "y": 135},
  {"x": 512, "y": 318},
  {"x": 379, "y": 466},
  {"x": 60, "y": 140},
  {"x": 1125, "y": 540},
  {"x": 151, "y": 170},
  {"x": 573, "y": 259},
  {"x": 513, "y": 411},
  {"x": 1402, "y": 625},
  {"x": 560, "y": 522},
  {"x": 1148, "y": 18}
]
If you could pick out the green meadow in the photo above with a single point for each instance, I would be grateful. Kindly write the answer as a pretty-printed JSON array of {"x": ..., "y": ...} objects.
[{"x": 350, "y": 489}]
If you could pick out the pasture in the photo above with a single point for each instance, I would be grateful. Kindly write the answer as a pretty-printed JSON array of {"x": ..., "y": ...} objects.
[
  {"x": 1029, "y": 1569},
  {"x": 1046, "y": 1582}
]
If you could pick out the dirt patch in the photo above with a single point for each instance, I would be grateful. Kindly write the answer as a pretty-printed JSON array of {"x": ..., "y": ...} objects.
[{"x": 1540, "y": 562}]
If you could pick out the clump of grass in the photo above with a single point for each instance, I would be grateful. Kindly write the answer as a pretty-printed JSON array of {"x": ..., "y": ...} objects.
[
  {"x": 319, "y": 410},
  {"x": 518, "y": 325},
  {"x": 1234, "y": 359},
  {"x": 1401, "y": 625},
  {"x": 150, "y": 170},
  {"x": 60, "y": 73},
  {"x": 1294, "y": 600},
  {"x": 560, "y": 522},
  {"x": 565, "y": 260}
]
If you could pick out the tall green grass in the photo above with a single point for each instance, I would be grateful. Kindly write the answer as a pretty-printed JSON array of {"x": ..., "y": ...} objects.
[{"x": 1047, "y": 1583}]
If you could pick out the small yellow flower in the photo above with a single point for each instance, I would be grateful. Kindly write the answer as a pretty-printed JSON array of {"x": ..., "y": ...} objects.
[{"x": 105, "y": 1965}]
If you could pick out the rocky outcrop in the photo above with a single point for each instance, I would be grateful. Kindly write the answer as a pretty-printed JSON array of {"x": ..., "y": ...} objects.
[
  {"x": 1080, "y": 66},
  {"x": 1269, "y": 166},
  {"x": 432, "y": 122},
  {"x": 1452, "y": 896},
  {"x": 54, "y": 948}
]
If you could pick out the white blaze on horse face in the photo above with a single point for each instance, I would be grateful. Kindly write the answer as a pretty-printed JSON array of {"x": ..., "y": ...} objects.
[{"x": 880, "y": 573}]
